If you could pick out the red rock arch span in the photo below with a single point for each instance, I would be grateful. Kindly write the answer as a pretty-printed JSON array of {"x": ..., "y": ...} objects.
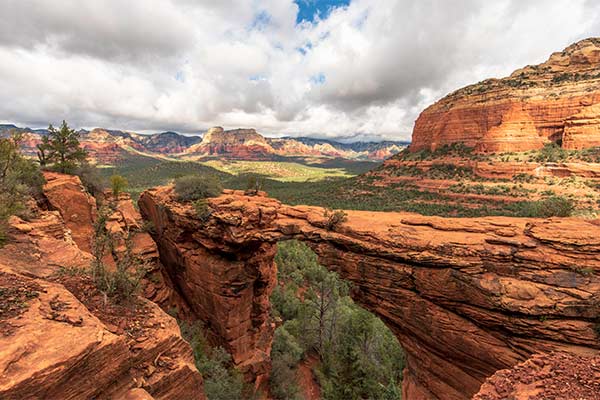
[{"x": 465, "y": 297}]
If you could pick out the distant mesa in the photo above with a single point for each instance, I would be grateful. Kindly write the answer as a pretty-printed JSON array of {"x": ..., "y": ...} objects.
[
  {"x": 237, "y": 143},
  {"x": 556, "y": 101}
]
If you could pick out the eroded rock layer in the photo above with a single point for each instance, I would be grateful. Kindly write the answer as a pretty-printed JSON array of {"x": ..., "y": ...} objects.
[
  {"x": 465, "y": 297},
  {"x": 60, "y": 337},
  {"x": 555, "y": 376},
  {"x": 556, "y": 101}
]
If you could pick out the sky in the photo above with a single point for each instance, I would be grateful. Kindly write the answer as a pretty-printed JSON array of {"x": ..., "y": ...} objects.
[{"x": 340, "y": 69}]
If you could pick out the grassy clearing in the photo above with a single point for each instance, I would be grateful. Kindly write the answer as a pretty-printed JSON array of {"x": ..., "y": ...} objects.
[
  {"x": 278, "y": 170},
  {"x": 143, "y": 172}
]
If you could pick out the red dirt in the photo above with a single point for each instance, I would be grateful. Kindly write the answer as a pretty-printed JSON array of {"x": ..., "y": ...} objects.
[
  {"x": 307, "y": 381},
  {"x": 556, "y": 376}
]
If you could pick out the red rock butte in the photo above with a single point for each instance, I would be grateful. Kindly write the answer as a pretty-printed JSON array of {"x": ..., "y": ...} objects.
[{"x": 556, "y": 101}]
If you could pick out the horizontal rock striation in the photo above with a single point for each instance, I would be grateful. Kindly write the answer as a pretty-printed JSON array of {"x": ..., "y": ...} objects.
[
  {"x": 556, "y": 101},
  {"x": 60, "y": 337},
  {"x": 465, "y": 297},
  {"x": 58, "y": 349},
  {"x": 228, "y": 289}
]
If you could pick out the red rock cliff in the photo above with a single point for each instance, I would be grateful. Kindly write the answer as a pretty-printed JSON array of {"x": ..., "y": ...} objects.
[
  {"x": 555, "y": 101},
  {"x": 59, "y": 336},
  {"x": 465, "y": 297}
]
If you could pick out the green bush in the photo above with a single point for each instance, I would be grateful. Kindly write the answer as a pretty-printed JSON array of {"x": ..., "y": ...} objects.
[
  {"x": 3, "y": 236},
  {"x": 203, "y": 210},
  {"x": 118, "y": 184},
  {"x": 334, "y": 219},
  {"x": 285, "y": 355},
  {"x": 195, "y": 187},
  {"x": 20, "y": 179},
  {"x": 221, "y": 380},
  {"x": 253, "y": 186},
  {"x": 360, "y": 358},
  {"x": 555, "y": 206},
  {"x": 551, "y": 152}
]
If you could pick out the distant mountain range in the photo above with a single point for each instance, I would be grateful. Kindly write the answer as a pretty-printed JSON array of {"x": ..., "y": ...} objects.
[{"x": 108, "y": 146}]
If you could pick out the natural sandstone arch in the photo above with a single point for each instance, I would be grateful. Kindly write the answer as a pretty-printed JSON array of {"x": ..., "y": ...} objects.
[{"x": 465, "y": 297}]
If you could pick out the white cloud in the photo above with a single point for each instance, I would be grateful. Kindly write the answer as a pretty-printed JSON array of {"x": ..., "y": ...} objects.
[{"x": 364, "y": 72}]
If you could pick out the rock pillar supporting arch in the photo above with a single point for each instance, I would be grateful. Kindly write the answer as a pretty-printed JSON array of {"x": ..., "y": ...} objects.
[{"x": 465, "y": 297}]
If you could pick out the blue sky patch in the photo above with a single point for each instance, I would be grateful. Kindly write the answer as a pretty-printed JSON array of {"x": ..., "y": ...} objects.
[
  {"x": 309, "y": 9},
  {"x": 261, "y": 20},
  {"x": 318, "y": 79}
]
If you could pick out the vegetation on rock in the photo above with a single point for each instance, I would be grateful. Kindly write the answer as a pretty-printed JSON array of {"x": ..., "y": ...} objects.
[
  {"x": 61, "y": 149},
  {"x": 19, "y": 180},
  {"x": 91, "y": 178},
  {"x": 195, "y": 187},
  {"x": 118, "y": 185},
  {"x": 334, "y": 219},
  {"x": 122, "y": 282},
  {"x": 221, "y": 380},
  {"x": 359, "y": 357}
]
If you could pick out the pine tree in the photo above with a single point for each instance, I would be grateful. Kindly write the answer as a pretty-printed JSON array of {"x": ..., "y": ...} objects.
[{"x": 62, "y": 149}]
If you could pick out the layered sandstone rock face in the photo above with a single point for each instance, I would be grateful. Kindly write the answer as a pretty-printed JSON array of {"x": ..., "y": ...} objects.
[
  {"x": 465, "y": 297},
  {"x": 66, "y": 194},
  {"x": 556, "y": 101},
  {"x": 228, "y": 289},
  {"x": 57, "y": 348},
  {"x": 59, "y": 336}
]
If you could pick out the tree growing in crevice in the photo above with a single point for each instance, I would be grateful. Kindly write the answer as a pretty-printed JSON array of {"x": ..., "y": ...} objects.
[{"x": 122, "y": 282}]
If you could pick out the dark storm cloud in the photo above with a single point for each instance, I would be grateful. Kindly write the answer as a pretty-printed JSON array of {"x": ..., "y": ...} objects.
[{"x": 112, "y": 30}]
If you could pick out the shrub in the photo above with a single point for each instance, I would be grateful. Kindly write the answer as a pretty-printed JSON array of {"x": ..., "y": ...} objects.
[
  {"x": 118, "y": 185},
  {"x": 148, "y": 227},
  {"x": 285, "y": 354},
  {"x": 203, "y": 210},
  {"x": 122, "y": 283},
  {"x": 221, "y": 381},
  {"x": 555, "y": 206},
  {"x": 194, "y": 187},
  {"x": 551, "y": 152},
  {"x": 254, "y": 185},
  {"x": 3, "y": 236},
  {"x": 334, "y": 219},
  {"x": 90, "y": 178}
]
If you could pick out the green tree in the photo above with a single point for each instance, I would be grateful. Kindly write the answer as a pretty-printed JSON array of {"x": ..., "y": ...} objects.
[
  {"x": 360, "y": 358},
  {"x": 62, "y": 149},
  {"x": 19, "y": 179},
  {"x": 221, "y": 380},
  {"x": 118, "y": 185}
]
